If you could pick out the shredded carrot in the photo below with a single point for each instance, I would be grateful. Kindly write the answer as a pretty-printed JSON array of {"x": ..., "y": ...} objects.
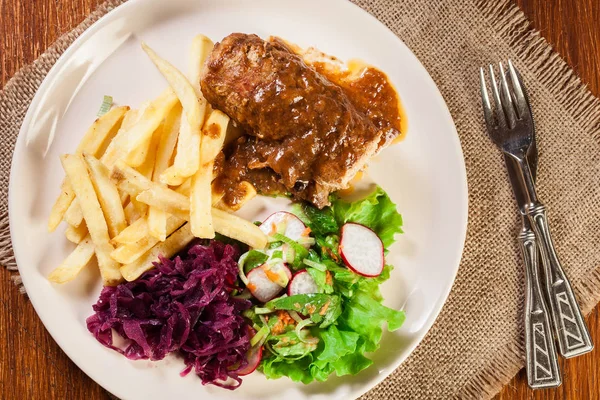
[
  {"x": 285, "y": 319},
  {"x": 324, "y": 308},
  {"x": 306, "y": 232},
  {"x": 273, "y": 228},
  {"x": 273, "y": 276},
  {"x": 328, "y": 278}
]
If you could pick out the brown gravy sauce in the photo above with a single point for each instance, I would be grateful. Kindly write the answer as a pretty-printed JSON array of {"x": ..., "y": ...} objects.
[{"x": 369, "y": 90}]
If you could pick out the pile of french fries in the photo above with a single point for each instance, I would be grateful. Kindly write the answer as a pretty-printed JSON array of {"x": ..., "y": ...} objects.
[{"x": 139, "y": 184}]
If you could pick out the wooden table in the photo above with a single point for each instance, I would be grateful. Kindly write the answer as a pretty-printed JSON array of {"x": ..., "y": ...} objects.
[{"x": 32, "y": 366}]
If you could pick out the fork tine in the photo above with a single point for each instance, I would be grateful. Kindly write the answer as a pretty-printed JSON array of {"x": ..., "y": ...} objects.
[
  {"x": 507, "y": 103},
  {"x": 519, "y": 96},
  {"x": 485, "y": 99},
  {"x": 499, "y": 113}
]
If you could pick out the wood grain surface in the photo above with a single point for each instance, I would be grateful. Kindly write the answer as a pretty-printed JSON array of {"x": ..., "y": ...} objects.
[{"x": 32, "y": 366}]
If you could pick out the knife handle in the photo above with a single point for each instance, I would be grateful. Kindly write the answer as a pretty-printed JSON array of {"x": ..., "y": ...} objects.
[
  {"x": 541, "y": 359},
  {"x": 573, "y": 336}
]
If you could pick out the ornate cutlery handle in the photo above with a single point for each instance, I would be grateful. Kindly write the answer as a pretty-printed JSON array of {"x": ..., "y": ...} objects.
[
  {"x": 542, "y": 363},
  {"x": 573, "y": 336}
]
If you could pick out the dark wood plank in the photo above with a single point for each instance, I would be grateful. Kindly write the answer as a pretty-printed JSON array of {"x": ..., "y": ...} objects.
[
  {"x": 32, "y": 366},
  {"x": 573, "y": 29}
]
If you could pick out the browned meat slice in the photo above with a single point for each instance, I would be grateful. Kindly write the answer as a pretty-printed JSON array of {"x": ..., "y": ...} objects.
[{"x": 303, "y": 127}]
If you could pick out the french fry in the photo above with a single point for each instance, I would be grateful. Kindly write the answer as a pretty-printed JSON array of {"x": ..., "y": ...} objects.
[
  {"x": 166, "y": 200},
  {"x": 102, "y": 131},
  {"x": 132, "y": 182},
  {"x": 76, "y": 234},
  {"x": 75, "y": 168},
  {"x": 237, "y": 228},
  {"x": 131, "y": 213},
  {"x": 185, "y": 188},
  {"x": 187, "y": 159},
  {"x": 128, "y": 141},
  {"x": 200, "y": 203},
  {"x": 173, "y": 245},
  {"x": 74, "y": 263},
  {"x": 168, "y": 141},
  {"x": 199, "y": 51},
  {"x": 108, "y": 195},
  {"x": 128, "y": 253},
  {"x": 141, "y": 209},
  {"x": 157, "y": 219},
  {"x": 135, "y": 232},
  {"x": 74, "y": 216},
  {"x": 93, "y": 142},
  {"x": 147, "y": 167},
  {"x": 213, "y": 136}
]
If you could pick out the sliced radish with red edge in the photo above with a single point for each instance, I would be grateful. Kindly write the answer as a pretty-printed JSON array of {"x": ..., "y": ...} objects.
[
  {"x": 278, "y": 273},
  {"x": 261, "y": 287},
  {"x": 253, "y": 357},
  {"x": 294, "y": 227},
  {"x": 302, "y": 283},
  {"x": 362, "y": 250}
]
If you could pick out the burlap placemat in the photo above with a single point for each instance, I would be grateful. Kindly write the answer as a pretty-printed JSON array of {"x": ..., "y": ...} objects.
[{"x": 476, "y": 344}]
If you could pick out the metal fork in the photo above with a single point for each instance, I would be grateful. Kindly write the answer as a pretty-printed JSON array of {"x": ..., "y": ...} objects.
[{"x": 510, "y": 126}]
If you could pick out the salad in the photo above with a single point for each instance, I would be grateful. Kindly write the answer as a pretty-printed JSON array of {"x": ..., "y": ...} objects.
[{"x": 306, "y": 306}]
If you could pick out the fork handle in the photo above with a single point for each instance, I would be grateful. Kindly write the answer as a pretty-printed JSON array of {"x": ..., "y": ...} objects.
[
  {"x": 541, "y": 359},
  {"x": 573, "y": 335}
]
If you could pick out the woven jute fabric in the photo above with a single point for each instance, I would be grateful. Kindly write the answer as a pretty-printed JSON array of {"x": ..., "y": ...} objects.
[{"x": 476, "y": 344}]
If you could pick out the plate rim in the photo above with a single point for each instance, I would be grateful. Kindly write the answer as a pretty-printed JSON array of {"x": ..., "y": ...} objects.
[{"x": 90, "y": 31}]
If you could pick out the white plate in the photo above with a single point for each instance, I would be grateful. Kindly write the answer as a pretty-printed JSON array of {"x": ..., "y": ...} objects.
[{"x": 425, "y": 175}]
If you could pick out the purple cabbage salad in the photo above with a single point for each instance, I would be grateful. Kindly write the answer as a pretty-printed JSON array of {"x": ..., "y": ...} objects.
[{"x": 183, "y": 306}]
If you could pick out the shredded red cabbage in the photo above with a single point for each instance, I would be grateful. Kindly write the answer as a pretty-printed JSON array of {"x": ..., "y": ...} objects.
[{"x": 184, "y": 306}]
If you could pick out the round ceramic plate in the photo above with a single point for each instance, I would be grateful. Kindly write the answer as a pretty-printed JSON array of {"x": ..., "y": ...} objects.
[{"x": 424, "y": 174}]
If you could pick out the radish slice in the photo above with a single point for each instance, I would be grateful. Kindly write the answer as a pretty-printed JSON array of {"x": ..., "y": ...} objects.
[
  {"x": 261, "y": 287},
  {"x": 278, "y": 273},
  {"x": 253, "y": 357},
  {"x": 302, "y": 283},
  {"x": 362, "y": 250},
  {"x": 294, "y": 227}
]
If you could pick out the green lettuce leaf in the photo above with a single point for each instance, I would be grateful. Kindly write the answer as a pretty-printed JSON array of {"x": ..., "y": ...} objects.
[{"x": 367, "y": 316}]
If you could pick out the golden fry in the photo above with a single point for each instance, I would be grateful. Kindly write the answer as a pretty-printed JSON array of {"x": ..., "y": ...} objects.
[
  {"x": 237, "y": 228},
  {"x": 157, "y": 219},
  {"x": 93, "y": 142},
  {"x": 187, "y": 159},
  {"x": 74, "y": 216},
  {"x": 133, "y": 233},
  {"x": 128, "y": 144},
  {"x": 200, "y": 49},
  {"x": 74, "y": 263},
  {"x": 128, "y": 253},
  {"x": 131, "y": 213},
  {"x": 76, "y": 170},
  {"x": 76, "y": 234},
  {"x": 108, "y": 195},
  {"x": 213, "y": 136}
]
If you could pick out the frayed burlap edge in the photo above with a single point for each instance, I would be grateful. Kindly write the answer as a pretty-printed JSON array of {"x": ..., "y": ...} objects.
[
  {"x": 532, "y": 49},
  {"x": 12, "y": 94}
]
